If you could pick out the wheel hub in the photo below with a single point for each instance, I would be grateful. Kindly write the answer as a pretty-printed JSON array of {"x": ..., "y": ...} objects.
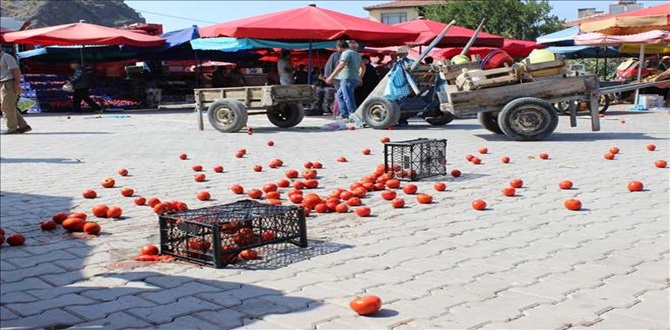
[
  {"x": 224, "y": 115},
  {"x": 528, "y": 119},
  {"x": 378, "y": 112}
]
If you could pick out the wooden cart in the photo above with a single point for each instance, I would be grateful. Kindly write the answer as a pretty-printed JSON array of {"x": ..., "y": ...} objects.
[{"x": 228, "y": 108}]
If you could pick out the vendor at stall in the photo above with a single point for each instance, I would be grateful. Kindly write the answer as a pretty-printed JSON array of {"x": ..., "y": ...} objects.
[{"x": 284, "y": 68}]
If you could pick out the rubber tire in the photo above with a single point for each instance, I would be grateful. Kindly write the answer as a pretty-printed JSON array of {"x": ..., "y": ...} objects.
[
  {"x": 446, "y": 118},
  {"x": 236, "y": 109},
  {"x": 489, "y": 120},
  {"x": 541, "y": 110},
  {"x": 376, "y": 103},
  {"x": 603, "y": 107},
  {"x": 286, "y": 115}
]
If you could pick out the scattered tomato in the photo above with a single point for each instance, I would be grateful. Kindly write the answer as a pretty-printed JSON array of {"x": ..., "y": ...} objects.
[
  {"x": 197, "y": 168},
  {"x": 366, "y": 151},
  {"x": 127, "y": 192},
  {"x": 270, "y": 143},
  {"x": 483, "y": 150},
  {"x": 573, "y": 204},
  {"x": 410, "y": 189},
  {"x": 108, "y": 183},
  {"x": 318, "y": 165},
  {"x": 660, "y": 163},
  {"x": 218, "y": 169},
  {"x": 469, "y": 157},
  {"x": 614, "y": 150},
  {"x": 74, "y": 224},
  {"x": 366, "y": 305},
  {"x": 123, "y": 172},
  {"x": 308, "y": 165},
  {"x": 393, "y": 183},
  {"x": 48, "y": 225},
  {"x": 565, "y": 184},
  {"x": 388, "y": 195},
  {"x": 609, "y": 156},
  {"x": 516, "y": 183},
  {"x": 424, "y": 198},
  {"x": 239, "y": 154},
  {"x": 398, "y": 203},
  {"x": 257, "y": 168},
  {"x": 544, "y": 156},
  {"x": 255, "y": 194},
  {"x": 456, "y": 173},
  {"x": 183, "y": 156},
  {"x": 505, "y": 159},
  {"x": 57, "y": 218},
  {"x": 341, "y": 208},
  {"x": 100, "y": 211},
  {"x": 204, "y": 195},
  {"x": 440, "y": 186},
  {"x": 635, "y": 186},
  {"x": 89, "y": 193},
  {"x": 385, "y": 140},
  {"x": 92, "y": 228},
  {"x": 651, "y": 147},
  {"x": 149, "y": 250},
  {"x": 16, "y": 239},
  {"x": 479, "y": 205},
  {"x": 509, "y": 192},
  {"x": 237, "y": 189},
  {"x": 476, "y": 161},
  {"x": 114, "y": 212},
  {"x": 342, "y": 159},
  {"x": 363, "y": 211}
]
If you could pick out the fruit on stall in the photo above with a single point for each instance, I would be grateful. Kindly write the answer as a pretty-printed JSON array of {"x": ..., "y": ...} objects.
[
  {"x": 100, "y": 211},
  {"x": 218, "y": 169},
  {"x": 479, "y": 205},
  {"x": 48, "y": 225},
  {"x": 635, "y": 186},
  {"x": 15, "y": 239},
  {"x": 89, "y": 194},
  {"x": 509, "y": 191},
  {"x": 127, "y": 192},
  {"x": 149, "y": 250},
  {"x": 516, "y": 183},
  {"x": 123, "y": 172},
  {"x": 660, "y": 163},
  {"x": 108, "y": 183},
  {"x": 440, "y": 186},
  {"x": 92, "y": 228},
  {"x": 567, "y": 184},
  {"x": 366, "y": 305},
  {"x": 573, "y": 204},
  {"x": 114, "y": 212}
]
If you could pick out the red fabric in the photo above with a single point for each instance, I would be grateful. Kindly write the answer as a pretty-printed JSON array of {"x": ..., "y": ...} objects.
[
  {"x": 310, "y": 23},
  {"x": 456, "y": 37},
  {"x": 77, "y": 34}
]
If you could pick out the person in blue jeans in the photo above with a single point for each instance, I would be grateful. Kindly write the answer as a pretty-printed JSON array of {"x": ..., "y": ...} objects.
[{"x": 349, "y": 72}]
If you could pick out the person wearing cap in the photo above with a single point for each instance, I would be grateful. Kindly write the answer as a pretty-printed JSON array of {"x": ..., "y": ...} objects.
[
  {"x": 284, "y": 68},
  {"x": 10, "y": 88},
  {"x": 349, "y": 71},
  {"x": 664, "y": 64}
]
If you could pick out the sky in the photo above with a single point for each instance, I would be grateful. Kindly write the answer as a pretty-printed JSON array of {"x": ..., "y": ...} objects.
[{"x": 177, "y": 14}]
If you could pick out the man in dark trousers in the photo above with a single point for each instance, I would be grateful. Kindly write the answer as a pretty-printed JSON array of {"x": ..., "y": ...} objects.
[{"x": 81, "y": 83}]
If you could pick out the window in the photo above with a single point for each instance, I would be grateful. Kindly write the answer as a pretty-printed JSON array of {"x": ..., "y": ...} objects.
[{"x": 394, "y": 18}]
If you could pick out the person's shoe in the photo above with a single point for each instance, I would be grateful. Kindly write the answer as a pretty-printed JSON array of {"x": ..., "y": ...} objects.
[{"x": 25, "y": 129}]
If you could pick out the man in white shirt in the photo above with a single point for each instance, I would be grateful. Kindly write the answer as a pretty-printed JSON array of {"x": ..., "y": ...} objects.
[
  {"x": 284, "y": 68},
  {"x": 10, "y": 88}
]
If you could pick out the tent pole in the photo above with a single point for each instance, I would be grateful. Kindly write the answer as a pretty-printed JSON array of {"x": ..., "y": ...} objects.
[
  {"x": 81, "y": 53},
  {"x": 605, "y": 67},
  {"x": 640, "y": 67},
  {"x": 309, "y": 64}
]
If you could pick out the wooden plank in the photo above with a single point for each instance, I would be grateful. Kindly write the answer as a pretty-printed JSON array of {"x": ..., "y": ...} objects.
[
  {"x": 495, "y": 98},
  {"x": 543, "y": 65},
  {"x": 470, "y": 80},
  {"x": 489, "y": 83},
  {"x": 595, "y": 116}
]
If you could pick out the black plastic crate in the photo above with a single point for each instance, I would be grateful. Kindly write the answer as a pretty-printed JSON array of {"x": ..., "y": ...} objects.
[
  {"x": 416, "y": 159},
  {"x": 214, "y": 236}
]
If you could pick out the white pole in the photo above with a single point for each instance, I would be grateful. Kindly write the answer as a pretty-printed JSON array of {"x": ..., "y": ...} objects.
[{"x": 640, "y": 67}]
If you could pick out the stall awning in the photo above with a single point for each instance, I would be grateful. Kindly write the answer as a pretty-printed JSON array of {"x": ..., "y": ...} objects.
[
  {"x": 632, "y": 22},
  {"x": 572, "y": 52},
  {"x": 64, "y": 54},
  {"x": 234, "y": 44},
  {"x": 560, "y": 38},
  {"x": 456, "y": 37},
  {"x": 76, "y": 34}
]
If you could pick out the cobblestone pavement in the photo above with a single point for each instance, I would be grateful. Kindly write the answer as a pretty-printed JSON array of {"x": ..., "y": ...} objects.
[{"x": 525, "y": 263}]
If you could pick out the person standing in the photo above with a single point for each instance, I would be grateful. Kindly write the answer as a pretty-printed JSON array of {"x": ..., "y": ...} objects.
[
  {"x": 10, "y": 89},
  {"x": 284, "y": 68},
  {"x": 349, "y": 70},
  {"x": 81, "y": 82},
  {"x": 331, "y": 64},
  {"x": 370, "y": 80},
  {"x": 300, "y": 76}
]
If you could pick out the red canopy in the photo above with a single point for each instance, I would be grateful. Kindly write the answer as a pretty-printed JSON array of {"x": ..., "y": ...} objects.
[
  {"x": 632, "y": 22},
  {"x": 457, "y": 36},
  {"x": 76, "y": 34},
  {"x": 310, "y": 23}
]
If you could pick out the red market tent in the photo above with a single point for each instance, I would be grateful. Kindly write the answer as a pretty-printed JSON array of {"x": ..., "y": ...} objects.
[
  {"x": 310, "y": 23},
  {"x": 632, "y": 22},
  {"x": 78, "y": 34},
  {"x": 456, "y": 37}
]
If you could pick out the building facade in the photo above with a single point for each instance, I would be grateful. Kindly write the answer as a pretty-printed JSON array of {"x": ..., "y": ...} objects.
[{"x": 400, "y": 11}]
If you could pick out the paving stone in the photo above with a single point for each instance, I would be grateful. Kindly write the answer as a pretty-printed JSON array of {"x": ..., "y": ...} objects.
[
  {"x": 22, "y": 273},
  {"x": 225, "y": 318},
  {"x": 50, "y": 318},
  {"x": 115, "y": 321},
  {"x": 259, "y": 307},
  {"x": 32, "y": 308},
  {"x": 16, "y": 297},
  {"x": 172, "y": 295},
  {"x": 309, "y": 318},
  {"x": 165, "y": 313},
  {"x": 188, "y": 322},
  {"x": 100, "y": 310},
  {"x": 6, "y": 314}
]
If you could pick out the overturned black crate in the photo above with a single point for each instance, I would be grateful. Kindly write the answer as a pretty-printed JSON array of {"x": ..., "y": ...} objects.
[
  {"x": 416, "y": 159},
  {"x": 214, "y": 236}
]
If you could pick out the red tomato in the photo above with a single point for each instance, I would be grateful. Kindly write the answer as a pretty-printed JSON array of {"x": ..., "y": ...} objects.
[
  {"x": 341, "y": 208},
  {"x": 270, "y": 143},
  {"x": 242, "y": 150},
  {"x": 89, "y": 193},
  {"x": 388, "y": 195},
  {"x": 74, "y": 224},
  {"x": 311, "y": 183},
  {"x": 609, "y": 156},
  {"x": 16, "y": 239},
  {"x": 153, "y": 201},
  {"x": 255, "y": 194},
  {"x": 509, "y": 192},
  {"x": 385, "y": 140},
  {"x": 346, "y": 195},
  {"x": 505, "y": 159},
  {"x": 149, "y": 250},
  {"x": 614, "y": 150},
  {"x": 237, "y": 189},
  {"x": 456, "y": 173},
  {"x": 268, "y": 235},
  {"x": 660, "y": 163},
  {"x": 197, "y": 168},
  {"x": 308, "y": 165},
  {"x": 635, "y": 186},
  {"x": 162, "y": 208},
  {"x": 269, "y": 187},
  {"x": 199, "y": 244},
  {"x": 366, "y": 151},
  {"x": 309, "y": 174},
  {"x": 366, "y": 305},
  {"x": 273, "y": 195},
  {"x": 410, "y": 189},
  {"x": 100, "y": 211},
  {"x": 440, "y": 186},
  {"x": 291, "y": 174},
  {"x": 354, "y": 201},
  {"x": 544, "y": 156},
  {"x": 398, "y": 203},
  {"x": 48, "y": 225},
  {"x": 469, "y": 157},
  {"x": 257, "y": 168},
  {"x": 318, "y": 165},
  {"x": 108, "y": 183},
  {"x": 57, "y": 218},
  {"x": 393, "y": 183},
  {"x": 424, "y": 198},
  {"x": 516, "y": 183},
  {"x": 123, "y": 172},
  {"x": 79, "y": 215},
  {"x": 248, "y": 254},
  {"x": 114, "y": 212},
  {"x": 476, "y": 161},
  {"x": 363, "y": 211},
  {"x": 483, "y": 150},
  {"x": 342, "y": 159},
  {"x": 573, "y": 204},
  {"x": 92, "y": 228},
  {"x": 283, "y": 183},
  {"x": 218, "y": 169},
  {"x": 239, "y": 154},
  {"x": 183, "y": 156},
  {"x": 651, "y": 147},
  {"x": 479, "y": 205},
  {"x": 299, "y": 185},
  {"x": 295, "y": 198},
  {"x": 127, "y": 192},
  {"x": 204, "y": 195},
  {"x": 565, "y": 184}
]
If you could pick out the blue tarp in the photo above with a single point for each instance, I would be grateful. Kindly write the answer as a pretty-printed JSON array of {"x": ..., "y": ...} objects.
[
  {"x": 61, "y": 54},
  {"x": 560, "y": 38},
  {"x": 234, "y": 44},
  {"x": 572, "y": 52}
]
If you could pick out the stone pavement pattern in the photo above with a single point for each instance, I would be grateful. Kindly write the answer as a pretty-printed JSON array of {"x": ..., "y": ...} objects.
[{"x": 525, "y": 263}]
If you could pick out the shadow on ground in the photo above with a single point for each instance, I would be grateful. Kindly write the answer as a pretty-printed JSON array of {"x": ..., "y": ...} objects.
[{"x": 576, "y": 137}]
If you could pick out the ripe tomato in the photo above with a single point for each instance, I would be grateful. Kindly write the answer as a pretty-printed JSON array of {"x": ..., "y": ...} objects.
[
  {"x": 393, "y": 183},
  {"x": 257, "y": 168},
  {"x": 509, "y": 192},
  {"x": 79, "y": 215},
  {"x": 108, "y": 183},
  {"x": 385, "y": 140},
  {"x": 346, "y": 195},
  {"x": 295, "y": 198},
  {"x": 100, "y": 211},
  {"x": 273, "y": 195},
  {"x": 237, "y": 189},
  {"x": 127, "y": 192},
  {"x": 149, "y": 250},
  {"x": 573, "y": 204},
  {"x": 479, "y": 205},
  {"x": 318, "y": 165},
  {"x": 242, "y": 150},
  {"x": 341, "y": 208},
  {"x": 57, "y": 218},
  {"x": 239, "y": 154},
  {"x": 516, "y": 183},
  {"x": 162, "y": 208},
  {"x": 366, "y": 151},
  {"x": 273, "y": 201},
  {"x": 199, "y": 244},
  {"x": 114, "y": 212},
  {"x": 410, "y": 189},
  {"x": 309, "y": 174},
  {"x": 565, "y": 184},
  {"x": 283, "y": 183},
  {"x": 476, "y": 161},
  {"x": 388, "y": 195},
  {"x": 248, "y": 254},
  {"x": 204, "y": 195},
  {"x": 456, "y": 173},
  {"x": 255, "y": 194},
  {"x": 366, "y": 305},
  {"x": 268, "y": 235},
  {"x": 270, "y": 143},
  {"x": 354, "y": 201},
  {"x": 291, "y": 174},
  {"x": 321, "y": 208},
  {"x": 218, "y": 169},
  {"x": 179, "y": 206},
  {"x": 614, "y": 150},
  {"x": 197, "y": 168},
  {"x": 635, "y": 186},
  {"x": 140, "y": 201},
  {"x": 92, "y": 228},
  {"x": 660, "y": 163},
  {"x": 544, "y": 155},
  {"x": 342, "y": 159},
  {"x": 651, "y": 147},
  {"x": 424, "y": 198},
  {"x": 398, "y": 203},
  {"x": 123, "y": 172},
  {"x": 183, "y": 156},
  {"x": 299, "y": 185},
  {"x": 200, "y": 177},
  {"x": 268, "y": 187},
  {"x": 440, "y": 186},
  {"x": 363, "y": 211},
  {"x": 16, "y": 239},
  {"x": 609, "y": 156},
  {"x": 311, "y": 183},
  {"x": 308, "y": 165},
  {"x": 89, "y": 193},
  {"x": 469, "y": 157},
  {"x": 74, "y": 224},
  {"x": 483, "y": 150},
  {"x": 48, "y": 225},
  {"x": 153, "y": 201},
  {"x": 505, "y": 159}
]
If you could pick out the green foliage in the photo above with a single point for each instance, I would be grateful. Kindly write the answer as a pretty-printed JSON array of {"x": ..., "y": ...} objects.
[{"x": 516, "y": 19}]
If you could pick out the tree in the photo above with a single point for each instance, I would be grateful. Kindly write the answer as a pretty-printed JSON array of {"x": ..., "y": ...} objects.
[{"x": 515, "y": 19}]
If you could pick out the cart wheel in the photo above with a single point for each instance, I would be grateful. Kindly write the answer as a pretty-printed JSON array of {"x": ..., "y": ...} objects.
[
  {"x": 380, "y": 113},
  {"x": 444, "y": 119},
  {"x": 286, "y": 115},
  {"x": 489, "y": 120},
  {"x": 604, "y": 102},
  {"x": 227, "y": 116},
  {"x": 528, "y": 119}
]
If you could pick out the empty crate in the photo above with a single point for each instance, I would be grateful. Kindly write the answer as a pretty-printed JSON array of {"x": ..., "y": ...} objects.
[{"x": 416, "y": 159}]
